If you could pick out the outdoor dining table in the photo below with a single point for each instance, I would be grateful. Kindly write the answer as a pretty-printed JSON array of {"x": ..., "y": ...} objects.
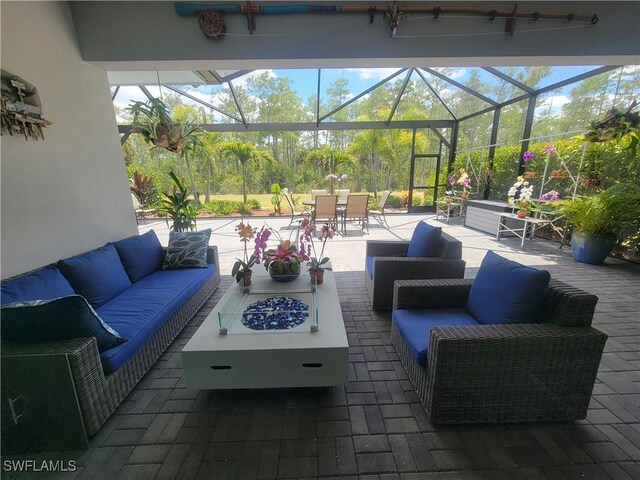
[{"x": 312, "y": 203}]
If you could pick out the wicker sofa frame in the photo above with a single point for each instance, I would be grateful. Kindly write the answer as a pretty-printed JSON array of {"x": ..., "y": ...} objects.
[
  {"x": 504, "y": 373},
  {"x": 391, "y": 263},
  {"x": 98, "y": 394}
]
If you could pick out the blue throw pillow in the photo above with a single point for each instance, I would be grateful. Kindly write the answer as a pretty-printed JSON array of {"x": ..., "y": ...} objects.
[
  {"x": 425, "y": 241},
  {"x": 66, "y": 317},
  {"x": 97, "y": 275},
  {"x": 187, "y": 250},
  {"x": 141, "y": 255},
  {"x": 43, "y": 284},
  {"x": 507, "y": 292}
]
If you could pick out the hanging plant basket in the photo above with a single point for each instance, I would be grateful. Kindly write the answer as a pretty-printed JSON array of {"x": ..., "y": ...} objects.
[
  {"x": 558, "y": 174},
  {"x": 531, "y": 175},
  {"x": 590, "y": 182}
]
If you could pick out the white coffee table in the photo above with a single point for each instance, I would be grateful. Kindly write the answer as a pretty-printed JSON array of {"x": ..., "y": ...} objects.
[{"x": 224, "y": 354}]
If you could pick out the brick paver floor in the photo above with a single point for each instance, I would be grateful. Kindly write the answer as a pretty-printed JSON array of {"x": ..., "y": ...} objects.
[{"x": 374, "y": 427}]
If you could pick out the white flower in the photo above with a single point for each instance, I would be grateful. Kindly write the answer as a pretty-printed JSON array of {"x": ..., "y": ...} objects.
[{"x": 512, "y": 191}]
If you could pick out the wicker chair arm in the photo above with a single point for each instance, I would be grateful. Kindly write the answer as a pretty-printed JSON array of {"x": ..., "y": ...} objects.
[
  {"x": 212, "y": 255},
  {"x": 386, "y": 248},
  {"x": 408, "y": 294},
  {"x": 568, "y": 306}
]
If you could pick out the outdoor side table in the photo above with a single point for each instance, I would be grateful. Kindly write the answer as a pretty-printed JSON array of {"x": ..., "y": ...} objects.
[
  {"x": 448, "y": 209},
  {"x": 529, "y": 226}
]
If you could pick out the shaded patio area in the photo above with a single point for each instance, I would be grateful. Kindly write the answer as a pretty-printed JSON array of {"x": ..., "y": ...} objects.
[{"x": 374, "y": 427}]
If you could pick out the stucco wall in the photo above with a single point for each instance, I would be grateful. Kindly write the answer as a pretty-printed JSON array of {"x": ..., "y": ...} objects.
[{"x": 68, "y": 193}]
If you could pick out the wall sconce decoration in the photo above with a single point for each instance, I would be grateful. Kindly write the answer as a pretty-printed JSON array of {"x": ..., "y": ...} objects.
[{"x": 21, "y": 108}]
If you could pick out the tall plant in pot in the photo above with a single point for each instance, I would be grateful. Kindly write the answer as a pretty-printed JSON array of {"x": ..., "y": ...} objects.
[
  {"x": 599, "y": 220},
  {"x": 177, "y": 205}
]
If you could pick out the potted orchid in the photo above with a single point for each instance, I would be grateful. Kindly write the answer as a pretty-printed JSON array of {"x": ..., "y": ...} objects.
[
  {"x": 460, "y": 178},
  {"x": 242, "y": 268},
  {"x": 520, "y": 197},
  {"x": 316, "y": 263},
  {"x": 282, "y": 262}
]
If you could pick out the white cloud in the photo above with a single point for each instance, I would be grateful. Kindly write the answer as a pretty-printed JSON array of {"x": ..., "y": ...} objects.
[
  {"x": 242, "y": 81},
  {"x": 458, "y": 73},
  {"x": 375, "y": 73}
]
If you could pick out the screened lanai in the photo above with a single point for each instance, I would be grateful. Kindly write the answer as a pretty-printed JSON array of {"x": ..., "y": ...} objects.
[{"x": 463, "y": 116}]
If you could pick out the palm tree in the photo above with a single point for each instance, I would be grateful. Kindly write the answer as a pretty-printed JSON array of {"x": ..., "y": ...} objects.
[
  {"x": 369, "y": 145},
  {"x": 243, "y": 152}
]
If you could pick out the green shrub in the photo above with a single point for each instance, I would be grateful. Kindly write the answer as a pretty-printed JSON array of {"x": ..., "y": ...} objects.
[
  {"x": 395, "y": 201},
  {"x": 253, "y": 204},
  {"x": 223, "y": 207}
]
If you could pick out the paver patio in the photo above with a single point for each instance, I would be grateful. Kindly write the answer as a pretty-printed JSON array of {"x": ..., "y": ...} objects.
[{"x": 374, "y": 427}]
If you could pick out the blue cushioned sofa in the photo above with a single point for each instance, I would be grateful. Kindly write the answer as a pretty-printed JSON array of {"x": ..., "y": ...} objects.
[{"x": 140, "y": 309}]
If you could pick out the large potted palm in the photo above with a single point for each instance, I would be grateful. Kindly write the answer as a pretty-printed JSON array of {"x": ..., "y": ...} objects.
[{"x": 600, "y": 220}]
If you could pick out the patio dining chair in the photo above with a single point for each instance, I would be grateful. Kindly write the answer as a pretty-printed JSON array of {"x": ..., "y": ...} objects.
[
  {"x": 326, "y": 208},
  {"x": 315, "y": 193},
  {"x": 141, "y": 213},
  {"x": 342, "y": 194},
  {"x": 379, "y": 212},
  {"x": 294, "y": 213},
  {"x": 356, "y": 209}
]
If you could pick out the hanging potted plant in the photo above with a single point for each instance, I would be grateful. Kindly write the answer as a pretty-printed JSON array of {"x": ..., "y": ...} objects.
[{"x": 599, "y": 220}]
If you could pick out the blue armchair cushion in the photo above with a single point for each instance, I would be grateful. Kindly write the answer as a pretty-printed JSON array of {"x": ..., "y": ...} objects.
[
  {"x": 141, "y": 255},
  {"x": 97, "y": 275},
  {"x": 415, "y": 326},
  {"x": 507, "y": 292},
  {"x": 43, "y": 284},
  {"x": 187, "y": 250},
  {"x": 425, "y": 241},
  {"x": 65, "y": 317}
]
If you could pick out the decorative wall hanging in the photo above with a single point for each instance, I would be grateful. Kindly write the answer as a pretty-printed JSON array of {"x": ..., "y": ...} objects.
[
  {"x": 21, "y": 108},
  {"x": 392, "y": 14}
]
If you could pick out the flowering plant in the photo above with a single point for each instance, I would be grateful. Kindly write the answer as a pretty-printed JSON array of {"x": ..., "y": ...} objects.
[
  {"x": 246, "y": 233},
  {"x": 327, "y": 231},
  {"x": 335, "y": 178},
  {"x": 520, "y": 195},
  {"x": 549, "y": 149},
  {"x": 461, "y": 179},
  {"x": 551, "y": 196},
  {"x": 285, "y": 259},
  {"x": 527, "y": 156}
]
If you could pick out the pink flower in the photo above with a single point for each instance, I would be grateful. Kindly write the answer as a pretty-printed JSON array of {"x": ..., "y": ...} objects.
[
  {"x": 549, "y": 149},
  {"x": 551, "y": 196},
  {"x": 527, "y": 156}
]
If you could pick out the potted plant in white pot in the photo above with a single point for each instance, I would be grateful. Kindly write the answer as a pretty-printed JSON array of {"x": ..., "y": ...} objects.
[{"x": 600, "y": 220}]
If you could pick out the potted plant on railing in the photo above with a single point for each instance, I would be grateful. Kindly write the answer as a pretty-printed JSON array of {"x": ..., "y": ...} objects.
[{"x": 599, "y": 220}]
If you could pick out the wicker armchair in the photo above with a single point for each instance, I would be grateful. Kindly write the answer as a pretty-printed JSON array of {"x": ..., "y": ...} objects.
[
  {"x": 503, "y": 373},
  {"x": 388, "y": 262}
]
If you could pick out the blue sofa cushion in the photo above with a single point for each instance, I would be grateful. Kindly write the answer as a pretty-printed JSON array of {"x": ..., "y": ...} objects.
[
  {"x": 97, "y": 275},
  {"x": 43, "y": 284},
  {"x": 415, "y": 326},
  {"x": 141, "y": 310},
  {"x": 187, "y": 250},
  {"x": 425, "y": 241},
  {"x": 141, "y": 255},
  {"x": 368, "y": 266},
  {"x": 507, "y": 292},
  {"x": 65, "y": 317}
]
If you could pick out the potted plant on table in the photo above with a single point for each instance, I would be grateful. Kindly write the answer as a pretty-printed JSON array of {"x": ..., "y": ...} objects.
[
  {"x": 242, "y": 268},
  {"x": 317, "y": 263},
  {"x": 599, "y": 220},
  {"x": 282, "y": 262},
  {"x": 520, "y": 197}
]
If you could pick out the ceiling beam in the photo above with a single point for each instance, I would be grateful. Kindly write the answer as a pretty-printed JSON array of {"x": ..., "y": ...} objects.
[
  {"x": 233, "y": 76},
  {"x": 202, "y": 102},
  {"x": 362, "y": 94},
  {"x": 460, "y": 86},
  {"x": 146, "y": 91},
  {"x": 115, "y": 92},
  {"x": 435, "y": 93},
  {"x": 311, "y": 126},
  {"x": 238, "y": 106},
  {"x": 508, "y": 79},
  {"x": 400, "y": 93}
]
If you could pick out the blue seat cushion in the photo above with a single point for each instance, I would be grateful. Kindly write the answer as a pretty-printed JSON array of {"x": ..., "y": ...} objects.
[
  {"x": 507, "y": 292},
  {"x": 415, "y": 326},
  {"x": 65, "y": 317},
  {"x": 97, "y": 275},
  {"x": 43, "y": 284},
  {"x": 141, "y": 255},
  {"x": 141, "y": 310},
  {"x": 425, "y": 241},
  {"x": 368, "y": 266}
]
